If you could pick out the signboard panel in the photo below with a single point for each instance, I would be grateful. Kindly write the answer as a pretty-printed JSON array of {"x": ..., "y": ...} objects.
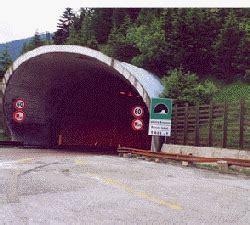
[
  {"x": 160, "y": 117},
  {"x": 161, "y": 108},
  {"x": 159, "y": 127}
]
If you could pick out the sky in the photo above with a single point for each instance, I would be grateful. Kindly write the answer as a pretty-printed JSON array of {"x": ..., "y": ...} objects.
[{"x": 22, "y": 18}]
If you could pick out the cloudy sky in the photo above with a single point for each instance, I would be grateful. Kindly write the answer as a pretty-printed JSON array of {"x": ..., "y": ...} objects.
[{"x": 21, "y": 18}]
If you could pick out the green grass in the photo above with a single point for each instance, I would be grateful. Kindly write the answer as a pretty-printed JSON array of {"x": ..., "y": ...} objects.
[{"x": 232, "y": 92}]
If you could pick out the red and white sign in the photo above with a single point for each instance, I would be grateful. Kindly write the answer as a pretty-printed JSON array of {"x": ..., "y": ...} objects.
[
  {"x": 19, "y": 116},
  {"x": 137, "y": 112},
  {"x": 19, "y": 104},
  {"x": 137, "y": 124}
]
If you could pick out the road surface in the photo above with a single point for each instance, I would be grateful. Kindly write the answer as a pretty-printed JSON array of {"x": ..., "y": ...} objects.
[{"x": 63, "y": 187}]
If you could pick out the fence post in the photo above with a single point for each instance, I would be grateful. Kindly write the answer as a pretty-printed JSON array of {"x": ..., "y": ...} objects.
[
  {"x": 197, "y": 127},
  {"x": 210, "y": 124},
  {"x": 242, "y": 109},
  {"x": 175, "y": 123},
  {"x": 225, "y": 125},
  {"x": 185, "y": 123}
]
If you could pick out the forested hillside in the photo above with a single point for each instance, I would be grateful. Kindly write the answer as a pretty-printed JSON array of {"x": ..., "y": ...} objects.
[
  {"x": 192, "y": 49},
  {"x": 15, "y": 47},
  {"x": 208, "y": 42}
]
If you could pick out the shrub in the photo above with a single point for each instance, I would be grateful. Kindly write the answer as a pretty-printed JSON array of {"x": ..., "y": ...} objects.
[{"x": 186, "y": 87}]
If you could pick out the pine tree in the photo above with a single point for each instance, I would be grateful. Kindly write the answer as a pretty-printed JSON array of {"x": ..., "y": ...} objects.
[
  {"x": 101, "y": 24},
  {"x": 37, "y": 42},
  {"x": 64, "y": 24},
  {"x": 208, "y": 42},
  {"x": 74, "y": 37},
  {"x": 5, "y": 62},
  {"x": 149, "y": 38},
  {"x": 87, "y": 33},
  {"x": 34, "y": 43},
  {"x": 225, "y": 48}
]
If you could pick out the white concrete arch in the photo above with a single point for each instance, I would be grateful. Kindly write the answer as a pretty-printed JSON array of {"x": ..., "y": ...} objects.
[{"x": 147, "y": 84}]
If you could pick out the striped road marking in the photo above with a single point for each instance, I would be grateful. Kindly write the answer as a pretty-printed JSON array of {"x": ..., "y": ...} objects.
[
  {"x": 139, "y": 194},
  {"x": 80, "y": 162},
  {"x": 25, "y": 160}
]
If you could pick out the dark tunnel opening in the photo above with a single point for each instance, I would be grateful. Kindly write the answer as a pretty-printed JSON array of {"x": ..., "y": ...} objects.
[{"x": 99, "y": 115}]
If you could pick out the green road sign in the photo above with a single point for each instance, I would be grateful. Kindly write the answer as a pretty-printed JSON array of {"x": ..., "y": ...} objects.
[{"x": 161, "y": 109}]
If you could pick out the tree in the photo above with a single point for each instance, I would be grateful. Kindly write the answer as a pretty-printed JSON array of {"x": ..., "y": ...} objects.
[
  {"x": 35, "y": 42},
  {"x": 241, "y": 58},
  {"x": 87, "y": 33},
  {"x": 5, "y": 62},
  {"x": 101, "y": 24},
  {"x": 117, "y": 45},
  {"x": 75, "y": 35},
  {"x": 150, "y": 40},
  {"x": 225, "y": 48},
  {"x": 185, "y": 87},
  {"x": 207, "y": 42},
  {"x": 62, "y": 33}
]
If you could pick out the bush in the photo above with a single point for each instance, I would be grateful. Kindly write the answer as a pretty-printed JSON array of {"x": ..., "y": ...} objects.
[{"x": 186, "y": 87}]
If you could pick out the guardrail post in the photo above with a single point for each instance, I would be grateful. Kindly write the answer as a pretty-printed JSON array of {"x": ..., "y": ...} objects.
[
  {"x": 185, "y": 123},
  {"x": 210, "y": 124},
  {"x": 242, "y": 109},
  {"x": 225, "y": 125},
  {"x": 197, "y": 125},
  {"x": 175, "y": 123}
]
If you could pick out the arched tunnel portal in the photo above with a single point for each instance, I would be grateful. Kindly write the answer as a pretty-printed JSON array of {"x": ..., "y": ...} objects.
[{"x": 75, "y": 96}]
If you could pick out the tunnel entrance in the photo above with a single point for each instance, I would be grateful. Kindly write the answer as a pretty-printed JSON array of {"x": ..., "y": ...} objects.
[
  {"x": 99, "y": 115},
  {"x": 76, "y": 96}
]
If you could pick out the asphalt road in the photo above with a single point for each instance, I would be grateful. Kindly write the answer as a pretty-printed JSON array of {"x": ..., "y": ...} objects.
[{"x": 58, "y": 187}]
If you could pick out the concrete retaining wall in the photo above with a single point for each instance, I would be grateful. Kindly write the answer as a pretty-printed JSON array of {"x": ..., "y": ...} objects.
[{"x": 209, "y": 152}]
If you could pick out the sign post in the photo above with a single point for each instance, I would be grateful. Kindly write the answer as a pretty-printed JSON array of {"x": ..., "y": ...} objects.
[{"x": 160, "y": 117}]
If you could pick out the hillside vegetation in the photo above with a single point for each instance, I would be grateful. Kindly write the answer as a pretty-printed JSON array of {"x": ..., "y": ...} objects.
[
  {"x": 199, "y": 43},
  {"x": 233, "y": 92}
]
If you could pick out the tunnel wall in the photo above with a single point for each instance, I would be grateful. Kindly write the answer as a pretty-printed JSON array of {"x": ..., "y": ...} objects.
[{"x": 38, "y": 123}]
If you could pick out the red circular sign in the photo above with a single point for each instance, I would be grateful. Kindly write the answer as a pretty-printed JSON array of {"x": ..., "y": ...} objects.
[
  {"x": 19, "y": 104},
  {"x": 137, "y": 124},
  {"x": 19, "y": 116},
  {"x": 137, "y": 111}
]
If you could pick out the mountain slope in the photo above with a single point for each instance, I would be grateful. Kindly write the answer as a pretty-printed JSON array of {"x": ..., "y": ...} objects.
[{"x": 15, "y": 47}]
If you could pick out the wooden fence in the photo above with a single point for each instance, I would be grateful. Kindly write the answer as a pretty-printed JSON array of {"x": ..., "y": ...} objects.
[{"x": 224, "y": 125}]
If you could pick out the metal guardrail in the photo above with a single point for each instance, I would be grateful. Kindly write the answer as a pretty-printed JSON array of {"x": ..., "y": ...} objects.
[{"x": 182, "y": 157}]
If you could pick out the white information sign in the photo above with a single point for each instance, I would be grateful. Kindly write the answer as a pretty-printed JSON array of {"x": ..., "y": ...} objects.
[{"x": 159, "y": 127}]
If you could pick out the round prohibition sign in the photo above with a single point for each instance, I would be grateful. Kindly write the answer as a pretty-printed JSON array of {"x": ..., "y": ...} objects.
[
  {"x": 137, "y": 124},
  {"x": 19, "y": 116},
  {"x": 19, "y": 104},
  {"x": 137, "y": 112}
]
